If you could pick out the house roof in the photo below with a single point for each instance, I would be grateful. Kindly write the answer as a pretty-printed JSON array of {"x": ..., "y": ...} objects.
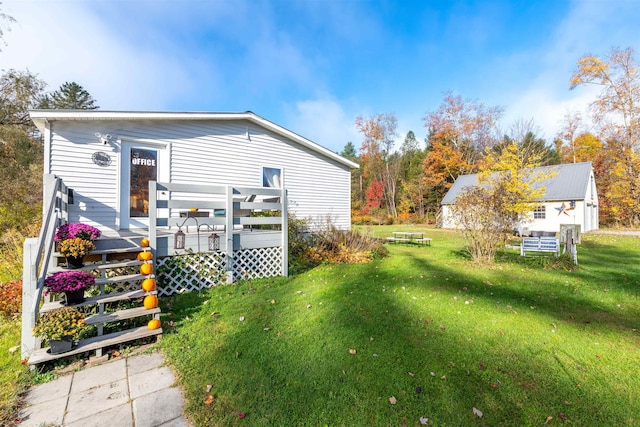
[
  {"x": 42, "y": 117},
  {"x": 569, "y": 182}
]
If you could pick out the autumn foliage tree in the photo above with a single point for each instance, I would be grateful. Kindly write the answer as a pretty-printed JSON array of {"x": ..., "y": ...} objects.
[
  {"x": 378, "y": 160},
  {"x": 458, "y": 134},
  {"x": 505, "y": 194},
  {"x": 616, "y": 112}
]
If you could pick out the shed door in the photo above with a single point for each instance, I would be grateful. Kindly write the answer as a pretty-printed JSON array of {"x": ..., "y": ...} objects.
[{"x": 141, "y": 163}]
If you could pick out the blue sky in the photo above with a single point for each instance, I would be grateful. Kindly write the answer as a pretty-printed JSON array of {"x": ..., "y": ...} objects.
[{"x": 313, "y": 66}]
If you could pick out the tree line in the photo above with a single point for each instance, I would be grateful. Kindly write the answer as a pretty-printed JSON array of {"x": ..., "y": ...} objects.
[
  {"x": 21, "y": 157},
  {"x": 407, "y": 183}
]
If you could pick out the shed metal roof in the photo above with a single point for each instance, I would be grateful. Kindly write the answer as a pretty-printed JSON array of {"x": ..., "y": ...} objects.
[{"x": 570, "y": 182}]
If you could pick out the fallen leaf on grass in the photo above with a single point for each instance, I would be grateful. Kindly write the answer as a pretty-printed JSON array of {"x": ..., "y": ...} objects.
[
  {"x": 242, "y": 318},
  {"x": 241, "y": 415},
  {"x": 424, "y": 421},
  {"x": 393, "y": 400},
  {"x": 209, "y": 386},
  {"x": 566, "y": 402},
  {"x": 562, "y": 416},
  {"x": 549, "y": 418},
  {"x": 352, "y": 351},
  {"x": 477, "y": 412},
  {"x": 208, "y": 399},
  {"x": 411, "y": 374},
  {"x": 273, "y": 301}
]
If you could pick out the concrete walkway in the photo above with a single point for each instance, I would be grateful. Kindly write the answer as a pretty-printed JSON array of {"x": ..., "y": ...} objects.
[{"x": 135, "y": 391}]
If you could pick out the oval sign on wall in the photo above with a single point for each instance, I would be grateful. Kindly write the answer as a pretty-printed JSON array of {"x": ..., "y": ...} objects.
[{"x": 101, "y": 158}]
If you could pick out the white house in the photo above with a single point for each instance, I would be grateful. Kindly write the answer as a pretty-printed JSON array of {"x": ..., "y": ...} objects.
[
  {"x": 570, "y": 198},
  {"x": 107, "y": 158}
]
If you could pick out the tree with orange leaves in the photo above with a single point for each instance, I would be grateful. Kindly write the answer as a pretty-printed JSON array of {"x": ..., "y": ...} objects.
[
  {"x": 459, "y": 132},
  {"x": 379, "y": 163}
]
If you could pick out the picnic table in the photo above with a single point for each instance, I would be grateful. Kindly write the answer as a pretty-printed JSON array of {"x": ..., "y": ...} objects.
[{"x": 409, "y": 237}]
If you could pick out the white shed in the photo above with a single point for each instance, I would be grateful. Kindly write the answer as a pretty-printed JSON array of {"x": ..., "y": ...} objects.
[
  {"x": 108, "y": 157},
  {"x": 570, "y": 198}
]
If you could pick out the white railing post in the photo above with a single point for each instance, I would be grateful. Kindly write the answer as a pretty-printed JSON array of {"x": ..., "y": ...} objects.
[
  {"x": 229, "y": 230},
  {"x": 29, "y": 283},
  {"x": 285, "y": 233}
]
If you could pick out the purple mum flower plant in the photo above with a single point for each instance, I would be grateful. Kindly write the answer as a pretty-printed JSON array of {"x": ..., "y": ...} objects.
[
  {"x": 68, "y": 281},
  {"x": 74, "y": 230}
]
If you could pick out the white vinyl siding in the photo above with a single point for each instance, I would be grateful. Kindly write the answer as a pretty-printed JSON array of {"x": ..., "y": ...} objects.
[{"x": 201, "y": 152}]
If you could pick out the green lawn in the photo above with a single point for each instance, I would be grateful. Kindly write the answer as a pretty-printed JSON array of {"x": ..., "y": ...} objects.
[
  {"x": 13, "y": 375},
  {"x": 521, "y": 342}
]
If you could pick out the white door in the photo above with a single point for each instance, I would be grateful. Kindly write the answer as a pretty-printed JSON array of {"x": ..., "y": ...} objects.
[{"x": 141, "y": 163}]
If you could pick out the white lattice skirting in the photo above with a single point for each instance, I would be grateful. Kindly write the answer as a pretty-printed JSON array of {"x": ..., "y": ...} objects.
[{"x": 193, "y": 272}]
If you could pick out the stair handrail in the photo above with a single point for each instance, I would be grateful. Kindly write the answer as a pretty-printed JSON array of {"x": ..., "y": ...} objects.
[{"x": 54, "y": 213}]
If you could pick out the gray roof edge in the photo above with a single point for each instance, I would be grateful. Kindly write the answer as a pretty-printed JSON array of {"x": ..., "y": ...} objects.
[{"x": 582, "y": 172}]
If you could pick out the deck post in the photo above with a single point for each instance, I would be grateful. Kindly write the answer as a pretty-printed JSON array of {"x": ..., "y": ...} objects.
[
  {"x": 285, "y": 234},
  {"x": 153, "y": 222},
  {"x": 29, "y": 343},
  {"x": 229, "y": 233}
]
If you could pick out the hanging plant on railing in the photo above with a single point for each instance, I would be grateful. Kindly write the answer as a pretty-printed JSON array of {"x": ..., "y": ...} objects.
[
  {"x": 75, "y": 240},
  {"x": 72, "y": 283}
]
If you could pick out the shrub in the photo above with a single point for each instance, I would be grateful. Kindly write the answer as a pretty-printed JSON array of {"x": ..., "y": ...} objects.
[
  {"x": 344, "y": 246},
  {"x": 327, "y": 243},
  {"x": 11, "y": 298}
]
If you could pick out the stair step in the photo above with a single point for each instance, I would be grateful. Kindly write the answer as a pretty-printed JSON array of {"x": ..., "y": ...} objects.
[
  {"x": 109, "y": 251},
  {"x": 100, "y": 266},
  {"x": 100, "y": 299},
  {"x": 121, "y": 315},
  {"x": 42, "y": 355},
  {"x": 118, "y": 279}
]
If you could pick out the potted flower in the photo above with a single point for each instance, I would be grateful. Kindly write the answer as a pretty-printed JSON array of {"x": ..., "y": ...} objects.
[
  {"x": 75, "y": 240},
  {"x": 60, "y": 327},
  {"x": 74, "y": 230},
  {"x": 72, "y": 283}
]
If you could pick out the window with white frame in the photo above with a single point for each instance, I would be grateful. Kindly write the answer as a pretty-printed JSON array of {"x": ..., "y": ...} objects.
[
  {"x": 540, "y": 212},
  {"x": 272, "y": 177}
]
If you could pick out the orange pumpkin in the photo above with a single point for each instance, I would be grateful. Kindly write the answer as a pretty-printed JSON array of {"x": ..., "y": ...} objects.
[
  {"x": 148, "y": 285},
  {"x": 144, "y": 243},
  {"x": 139, "y": 258},
  {"x": 150, "y": 301},
  {"x": 153, "y": 324},
  {"x": 146, "y": 269},
  {"x": 145, "y": 256}
]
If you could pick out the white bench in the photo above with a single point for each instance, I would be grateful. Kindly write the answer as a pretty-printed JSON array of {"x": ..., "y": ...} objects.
[{"x": 540, "y": 244}]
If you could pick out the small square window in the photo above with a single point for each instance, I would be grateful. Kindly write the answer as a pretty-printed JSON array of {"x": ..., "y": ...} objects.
[
  {"x": 272, "y": 177},
  {"x": 540, "y": 212}
]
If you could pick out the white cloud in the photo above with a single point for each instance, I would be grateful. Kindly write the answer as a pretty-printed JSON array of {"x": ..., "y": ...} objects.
[
  {"x": 589, "y": 27},
  {"x": 323, "y": 121},
  {"x": 67, "y": 42}
]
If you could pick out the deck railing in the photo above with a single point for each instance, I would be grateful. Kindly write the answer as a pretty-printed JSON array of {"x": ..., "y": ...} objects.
[
  {"x": 234, "y": 205},
  {"x": 37, "y": 254}
]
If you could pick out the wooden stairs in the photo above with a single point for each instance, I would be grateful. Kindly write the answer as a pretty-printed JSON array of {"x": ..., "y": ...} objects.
[{"x": 118, "y": 280}]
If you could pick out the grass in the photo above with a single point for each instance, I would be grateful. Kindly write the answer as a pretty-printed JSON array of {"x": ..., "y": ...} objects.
[
  {"x": 13, "y": 376},
  {"x": 521, "y": 341}
]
